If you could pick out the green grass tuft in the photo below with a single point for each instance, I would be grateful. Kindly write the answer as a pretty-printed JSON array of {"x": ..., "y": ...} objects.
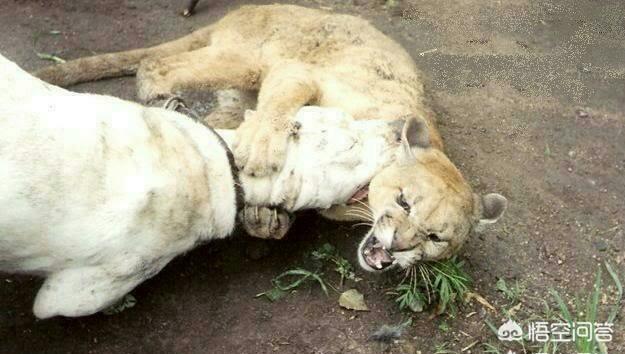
[
  {"x": 328, "y": 253},
  {"x": 587, "y": 310},
  {"x": 298, "y": 277},
  {"x": 443, "y": 283}
]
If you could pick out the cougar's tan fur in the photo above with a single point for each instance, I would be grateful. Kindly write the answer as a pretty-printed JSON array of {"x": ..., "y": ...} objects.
[{"x": 421, "y": 206}]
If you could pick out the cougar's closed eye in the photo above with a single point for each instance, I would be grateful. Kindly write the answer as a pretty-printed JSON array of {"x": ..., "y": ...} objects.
[
  {"x": 434, "y": 238},
  {"x": 401, "y": 201}
]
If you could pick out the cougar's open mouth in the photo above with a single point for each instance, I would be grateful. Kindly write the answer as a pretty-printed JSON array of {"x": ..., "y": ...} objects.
[
  {"x": 361, "y": 194},
  {"x": 376, "y": 255}
]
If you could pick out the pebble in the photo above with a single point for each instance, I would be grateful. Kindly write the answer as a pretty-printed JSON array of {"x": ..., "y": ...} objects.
[
  {"x": 580, "y": 113},
  {"x": 600, "y": 245}
]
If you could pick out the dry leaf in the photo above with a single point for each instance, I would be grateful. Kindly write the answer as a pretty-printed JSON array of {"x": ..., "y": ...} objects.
[{"x": 353, "y": 300}]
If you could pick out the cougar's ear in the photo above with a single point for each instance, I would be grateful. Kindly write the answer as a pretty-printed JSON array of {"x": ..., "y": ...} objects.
[
  {"x": 415, "y": 133},
  {"x": 249, "y": 114},
  {"x": 493, "y": 206}
]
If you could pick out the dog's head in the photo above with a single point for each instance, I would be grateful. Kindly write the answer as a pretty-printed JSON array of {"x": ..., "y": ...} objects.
[{"x": 330, "y": 158}]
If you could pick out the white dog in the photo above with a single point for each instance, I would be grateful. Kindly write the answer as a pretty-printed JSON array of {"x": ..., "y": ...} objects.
[{"x": 99, "y": 194}]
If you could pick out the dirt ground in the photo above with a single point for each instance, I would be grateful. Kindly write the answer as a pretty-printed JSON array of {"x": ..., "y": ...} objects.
[{"x": 531, "y": 101}]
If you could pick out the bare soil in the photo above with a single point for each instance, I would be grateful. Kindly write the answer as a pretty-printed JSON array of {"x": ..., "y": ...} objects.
[{"x": 531, "y": 101}]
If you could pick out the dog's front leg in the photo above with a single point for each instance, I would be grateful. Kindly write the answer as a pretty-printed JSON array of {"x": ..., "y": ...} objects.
[{"x": 86, "y": 290}]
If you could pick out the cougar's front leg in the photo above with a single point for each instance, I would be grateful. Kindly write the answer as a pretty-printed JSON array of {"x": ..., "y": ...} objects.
[
  {"x": 210, "y": 68},
  {"x": 260, "y": 144}
]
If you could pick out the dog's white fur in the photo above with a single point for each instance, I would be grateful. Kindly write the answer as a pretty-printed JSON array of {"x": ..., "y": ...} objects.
[
  {"x": 334, "y": 157},
  {"x": 99, "y": 194}
]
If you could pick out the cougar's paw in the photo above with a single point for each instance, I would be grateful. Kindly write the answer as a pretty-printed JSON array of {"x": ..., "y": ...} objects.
[
  {"x": 177, "y": 104},
  {"x": 152, "y": 82},
  {"x": 260, "y": 148},
  {"x": 168, "y": 102},
  {"x": 266, "y": 222}
]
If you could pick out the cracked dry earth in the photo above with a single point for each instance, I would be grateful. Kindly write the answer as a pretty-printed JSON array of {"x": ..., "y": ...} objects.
[{"x": 531, "y": 101}]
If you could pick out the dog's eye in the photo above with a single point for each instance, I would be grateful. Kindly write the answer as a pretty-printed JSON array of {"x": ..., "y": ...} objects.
[
  {"x": 434, "y": 238},
  {"x": 401, "y": 201}
]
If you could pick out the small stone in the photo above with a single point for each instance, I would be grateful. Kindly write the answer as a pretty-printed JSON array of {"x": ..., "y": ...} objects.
[
  {"x": 600, "y": 245},
  {"x": 584, "y": 68},
  {"x": 265, "y": 315},
  {"x": 580, "y": 113},
  {"x": 572, "y": 154},
  {"x": 619, "y": 241}
]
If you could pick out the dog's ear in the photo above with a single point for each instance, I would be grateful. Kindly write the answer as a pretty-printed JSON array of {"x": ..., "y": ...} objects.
[{"x": 397, "y": 128}]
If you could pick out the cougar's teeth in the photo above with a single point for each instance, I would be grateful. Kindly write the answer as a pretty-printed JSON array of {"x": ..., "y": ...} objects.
[
  {"x": 367, "y": 252},
  {"x": 378, "y": 264}
]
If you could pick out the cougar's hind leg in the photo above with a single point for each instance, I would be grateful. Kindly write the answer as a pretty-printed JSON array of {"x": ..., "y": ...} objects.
[
  {"x": 209, "y": 68},
  {"x": 240, "y": 99},
  {"x": 224, "y": 118},
  {"x": 121, "y": 63},
  {"x": 231, "y": 107}
]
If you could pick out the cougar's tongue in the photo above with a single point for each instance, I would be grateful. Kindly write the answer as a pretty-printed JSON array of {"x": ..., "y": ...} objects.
[{"x": 360, "y": 195}]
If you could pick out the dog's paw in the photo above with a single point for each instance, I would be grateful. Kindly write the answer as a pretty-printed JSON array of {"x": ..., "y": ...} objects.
[{"x": 266, "y": 222}]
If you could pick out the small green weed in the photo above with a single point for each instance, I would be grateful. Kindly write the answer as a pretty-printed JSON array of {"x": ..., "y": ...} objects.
[
  {"x": 326, "y": 254},
  {"x": 444, "y": 327},
  {"x": 442, "y": 283},
  {"x": 511, "y": 292},
  {"x": 409, "y": 296},
  {"x": 587, "y": 310},
  {"x": 491, "y": 348},
  {"x": 329, "y": 253},
  {"x": 301, "y": 276},
  {"x": 443, "y": 349}
]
